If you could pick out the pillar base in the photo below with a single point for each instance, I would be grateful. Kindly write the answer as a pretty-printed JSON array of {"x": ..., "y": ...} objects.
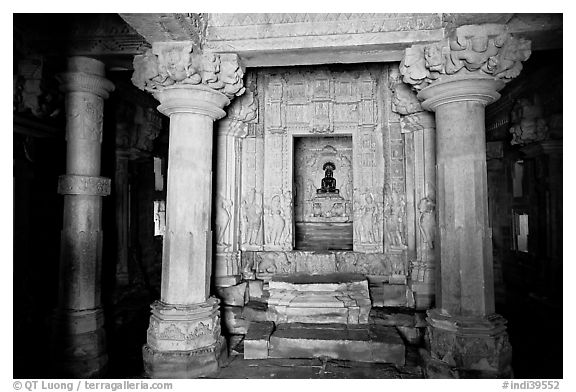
[
  {"x": 79, "y": 344},
  {"x": 184, "y": 364},
  {"x": 183, "y": 340},
  {"x": 472, "y": 347}
]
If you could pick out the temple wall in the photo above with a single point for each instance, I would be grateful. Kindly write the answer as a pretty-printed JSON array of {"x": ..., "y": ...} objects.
[{"x": 300, "y": 106}]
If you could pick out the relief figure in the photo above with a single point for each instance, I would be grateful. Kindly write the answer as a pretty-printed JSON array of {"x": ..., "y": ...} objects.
[
  {"x": 427, "y": 221},
  {"x": 252, "y": 219},
  {"x": 277, "y": 222},
  {"x": 223, "y": 216}
]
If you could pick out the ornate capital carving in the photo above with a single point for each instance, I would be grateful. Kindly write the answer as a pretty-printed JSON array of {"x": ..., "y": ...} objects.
[
  {"x": 72, "y": 184},
  {"x": 485, "y": 51},
  {"x": 87, "y": 75},
  {"x": 174, "y": 63}
]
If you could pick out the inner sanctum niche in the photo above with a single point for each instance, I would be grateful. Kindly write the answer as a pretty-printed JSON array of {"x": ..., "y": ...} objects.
[
  {"x": 312, "y": 121},
  {"x": 323, "y": 193}
]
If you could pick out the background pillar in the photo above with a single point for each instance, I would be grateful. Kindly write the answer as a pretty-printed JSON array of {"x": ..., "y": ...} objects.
[{"x": 79, "y": 339}]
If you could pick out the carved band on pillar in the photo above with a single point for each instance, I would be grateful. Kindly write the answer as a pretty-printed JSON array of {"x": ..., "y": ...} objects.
[
  {"x": 184, "y": 337},
  {"x": 78, "y": 336},
  {"x": 456, "y": 79}
]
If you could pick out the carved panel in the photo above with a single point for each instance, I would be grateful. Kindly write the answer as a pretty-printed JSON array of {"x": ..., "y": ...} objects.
[{"x": 373, "y": 264}]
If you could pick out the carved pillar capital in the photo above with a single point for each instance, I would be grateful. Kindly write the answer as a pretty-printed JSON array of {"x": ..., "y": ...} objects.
[
  {"x": 472, "y": 64},
  {"x": 171, "y": 64},
  {"x": 85, "y": 75}
]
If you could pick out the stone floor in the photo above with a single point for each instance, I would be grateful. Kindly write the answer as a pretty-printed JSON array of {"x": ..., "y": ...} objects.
[{"x": 319, "y": 368}]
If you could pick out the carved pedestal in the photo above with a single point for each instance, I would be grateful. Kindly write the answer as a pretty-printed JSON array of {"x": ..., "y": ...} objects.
[
  {"x": 477, "y": 346},
  {"x": 184, "y": 341},
  {"x": 79, "y": 340},
  {"x": 184, "y": 335}
]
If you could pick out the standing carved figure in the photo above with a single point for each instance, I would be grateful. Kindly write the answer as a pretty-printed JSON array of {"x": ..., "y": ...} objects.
[
  {"x": 287, "y": 212},
  {"x": 427, "y": 221},
  {"x": 223, "y": 216},
  {"x": 368, "y": 220},
  {"x": 277, "y": 222},
  {"x": 252, "y": 219}
]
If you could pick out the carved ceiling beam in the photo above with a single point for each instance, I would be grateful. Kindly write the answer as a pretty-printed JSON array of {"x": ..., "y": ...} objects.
[{"x": 169, "y": 27}]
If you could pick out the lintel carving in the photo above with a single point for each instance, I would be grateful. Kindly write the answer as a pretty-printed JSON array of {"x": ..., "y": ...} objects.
[
  {"x": 173, "y": 63},
  {"x": 480, "y": 52}
]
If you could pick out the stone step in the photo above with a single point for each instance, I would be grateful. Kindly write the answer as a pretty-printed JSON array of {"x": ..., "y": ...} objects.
[
  {"x": 257, "y": 340},
  {"x": 362, "y": 343}
]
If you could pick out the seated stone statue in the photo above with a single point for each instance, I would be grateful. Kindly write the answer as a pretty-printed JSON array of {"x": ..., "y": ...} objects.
[{"x": 328, "y": 182}]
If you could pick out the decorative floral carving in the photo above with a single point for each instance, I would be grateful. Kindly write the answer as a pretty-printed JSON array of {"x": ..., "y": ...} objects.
[
  {"x": 175, "y": 63},
  {"x": 498, "y": 56}
]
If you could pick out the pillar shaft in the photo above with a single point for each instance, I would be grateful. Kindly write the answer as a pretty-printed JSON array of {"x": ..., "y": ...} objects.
[
  {"x": 78, "y": 335},
  {"x": 188, "y": 241},
  {"x": 467, "y": 283}
]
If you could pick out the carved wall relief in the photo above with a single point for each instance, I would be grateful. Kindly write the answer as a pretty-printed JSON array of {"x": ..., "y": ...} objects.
[
  {"x": 223, "y": 217},
  {"x": 307, "y": 114},
  {"x": 251, "y": 220}
]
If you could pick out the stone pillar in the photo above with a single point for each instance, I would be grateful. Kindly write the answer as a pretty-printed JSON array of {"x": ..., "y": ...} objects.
[
  {"x": 419, "y": 131},
  {"x": 122, "y": 216},
  {"x": 457, "y": 79},
  {"x": 79, "y": 339},
  {"x": 229, "y": 134},
  {"x": 549, "y": 205},
  {"x": 184, "y": 337}
]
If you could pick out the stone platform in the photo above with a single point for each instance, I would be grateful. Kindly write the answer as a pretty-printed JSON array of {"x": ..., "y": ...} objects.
[
  {"x": 330, "y": 298},
  {"x": 361, "y": 343}
]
